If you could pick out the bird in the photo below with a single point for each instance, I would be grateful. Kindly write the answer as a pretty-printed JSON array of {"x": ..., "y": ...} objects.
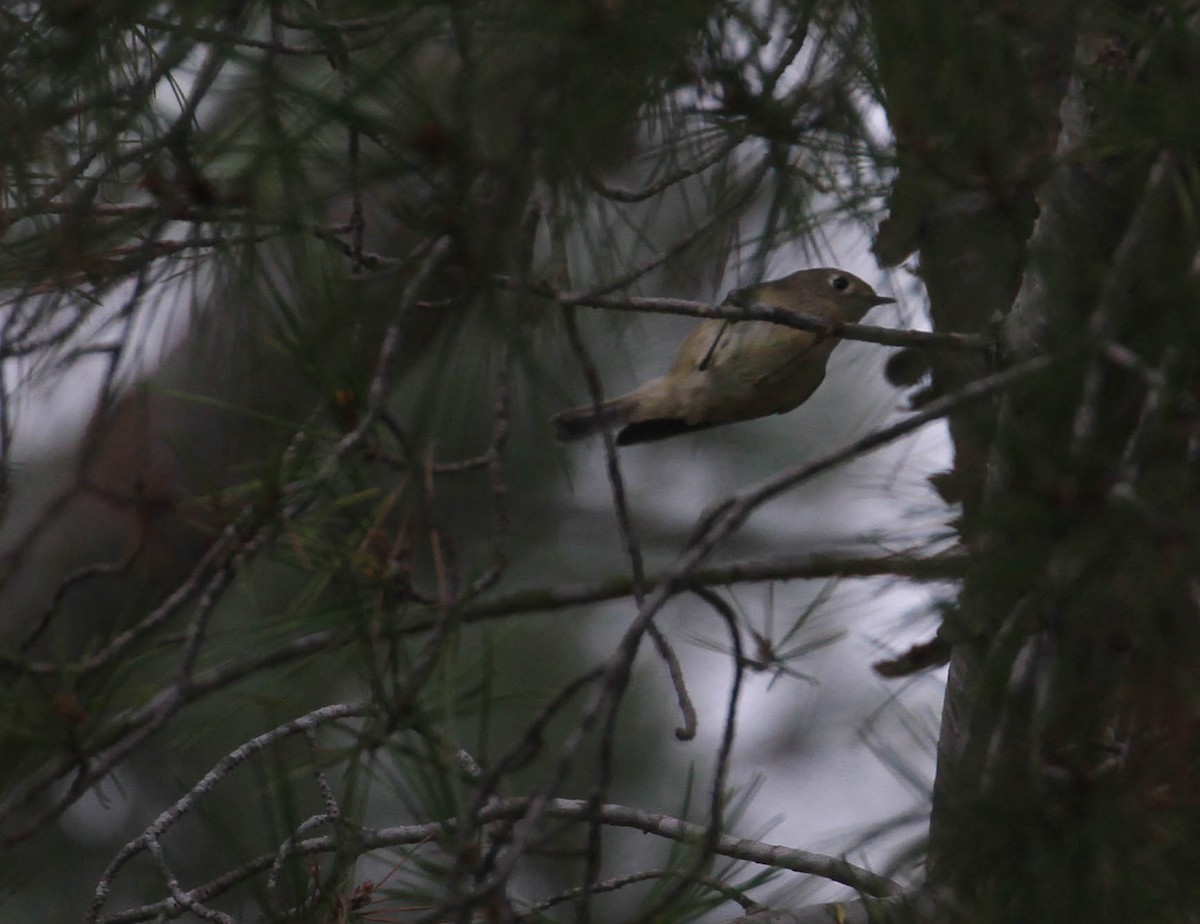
[{"x": 728, "y": 371}]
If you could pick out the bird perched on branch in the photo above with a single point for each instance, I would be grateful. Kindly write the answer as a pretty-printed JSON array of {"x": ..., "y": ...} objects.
[{"x": 728, "y": 371}]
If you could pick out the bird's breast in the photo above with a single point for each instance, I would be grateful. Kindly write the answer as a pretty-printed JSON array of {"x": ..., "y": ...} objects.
[{"x": 758, "y": 368}]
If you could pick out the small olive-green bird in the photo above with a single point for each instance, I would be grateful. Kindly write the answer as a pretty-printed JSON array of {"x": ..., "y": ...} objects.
[{"x": 728, "y": 371}]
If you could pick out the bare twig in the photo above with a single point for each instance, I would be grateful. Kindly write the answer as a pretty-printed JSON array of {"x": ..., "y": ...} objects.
[
  {"x": 885, "y": 336},
  {"x": 716, "y": 808},
  {"x": 185, "y": 901},
  {"x": 748, "y": 904},
  {"x": 947, "y": 566},
  {"x": 514, "y": 809},
  {"x": 220, "y": 771},
  {"x": 625, "y": 525},
  {"x": 612, "y": 461},
  {"x": 637, "y": 569},
  {"x": 79, "y": 576},
  {"x": 633, "y": 551},
  {"x": 212, "y": 564},
  {"x": 943, "y": 567}
]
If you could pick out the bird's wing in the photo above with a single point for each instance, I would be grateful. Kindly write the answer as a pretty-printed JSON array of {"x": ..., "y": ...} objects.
[
  {"x": 712, "y": 347},
  {"x": 697, "y": 348}
]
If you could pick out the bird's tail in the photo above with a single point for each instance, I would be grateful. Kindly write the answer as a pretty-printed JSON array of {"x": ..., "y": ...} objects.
[{"x": 579, "y": 422}]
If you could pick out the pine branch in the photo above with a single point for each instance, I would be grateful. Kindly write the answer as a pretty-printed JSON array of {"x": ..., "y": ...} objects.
[
  {"x": 885, "y": 336},
  {"x": 946, "y": 566}
]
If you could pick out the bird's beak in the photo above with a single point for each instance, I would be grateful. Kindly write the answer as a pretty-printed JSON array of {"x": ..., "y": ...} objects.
[{"x": 882, "y": 300}]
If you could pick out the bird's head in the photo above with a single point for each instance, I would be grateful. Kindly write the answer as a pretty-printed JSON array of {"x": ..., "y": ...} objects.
[{"x": 816, "y": 291}]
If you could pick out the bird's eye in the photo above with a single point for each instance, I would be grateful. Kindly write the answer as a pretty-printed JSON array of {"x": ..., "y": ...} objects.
[{"x": 841, "y": 283}]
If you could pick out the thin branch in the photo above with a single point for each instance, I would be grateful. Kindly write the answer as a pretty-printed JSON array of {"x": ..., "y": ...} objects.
[
  {"x": 727, "y": 517},
  {"x": 947, "y": 566},
  {"x": 885, "y": 336},
  {"x": 687, "y": 709},
  {"x": 612, "y": 461},
  {"x": 222, "y": 769},
  {"x": 775, "y": 856},
  {"x": 154, "y": 847},
  {"x": 637, "y": 572},
  {"x": 748, "y": 904},
  {"x": 127, "y": 732},
  {"x": 944, "y": 567},
  {"x": 716, "y": 808},
  {"x": 205, "y": 577},
  {"x": 686, "y": 832},
  {"x": 687, "y": 730},
  {"x": 79, "y": 576}
]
